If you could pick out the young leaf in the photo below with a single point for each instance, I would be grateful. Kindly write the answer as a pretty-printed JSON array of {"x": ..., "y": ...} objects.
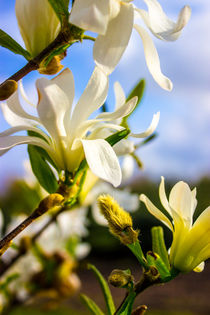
[
  {"x": 158, "y": 244},
  {"x": 116, "y": 137},
  {"x": 42, "y": 170},
  {"x": 105, "y": 289},
  {"x": 138, "y": 91},
  {"x": 61, "y": 8},
  {"x": 8, "y": 42},
  {"x": 91, "y": 305}
]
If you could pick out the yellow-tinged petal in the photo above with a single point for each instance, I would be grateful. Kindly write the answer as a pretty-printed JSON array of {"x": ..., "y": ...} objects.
[{"x": 155, "y": 211}]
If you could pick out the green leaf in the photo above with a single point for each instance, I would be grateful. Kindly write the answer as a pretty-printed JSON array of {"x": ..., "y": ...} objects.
[
  {"x": 138, "y": 91},
  {"x": 105, "y": 289},
  {"x": 42, "y": 170},
  {"x": 126, "y": 308},
  {"x": 61, "y": 8},
  {"x": 94, "y": 309},
  {"x": 158, "y": 244},
  {"x": 137, "y": 251},
  {"x": 8, "y": 42},
  {"x": 116, "y": 137}
]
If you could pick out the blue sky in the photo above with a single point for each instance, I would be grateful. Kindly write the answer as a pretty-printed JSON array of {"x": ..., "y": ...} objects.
[{"x": 182, "y": 149}]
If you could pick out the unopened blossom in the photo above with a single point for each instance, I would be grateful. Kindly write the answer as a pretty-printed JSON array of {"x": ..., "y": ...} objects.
[
  {"x": 38, "y": 24},
  {"x": 65, "y": 133},
  {"x": 191, "y": 242},
  {"x": 113, "y": 21}
]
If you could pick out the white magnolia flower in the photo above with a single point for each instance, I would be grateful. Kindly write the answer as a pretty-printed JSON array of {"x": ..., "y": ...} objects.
[
  {"x": 113, "y": 20},
  {"x": 191, "y": 242},
  {"x": 68, "y": 136},
  {"x": 38, "y": 24}
]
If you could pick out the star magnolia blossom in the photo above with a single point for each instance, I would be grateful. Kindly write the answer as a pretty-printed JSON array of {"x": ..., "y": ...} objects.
[
  {"x": 113, "y": 20},
  {"x": 38, "y": 24},
  {"x": 69, "y": 136},
  {"x": 191, "y": 242}
]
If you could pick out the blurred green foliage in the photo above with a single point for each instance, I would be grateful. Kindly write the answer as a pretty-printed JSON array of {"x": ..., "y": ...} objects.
[{"x": 68, "y": 311}]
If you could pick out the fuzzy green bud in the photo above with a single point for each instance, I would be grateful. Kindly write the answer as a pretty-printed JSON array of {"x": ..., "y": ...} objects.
[{"x": 119, "y": 221}]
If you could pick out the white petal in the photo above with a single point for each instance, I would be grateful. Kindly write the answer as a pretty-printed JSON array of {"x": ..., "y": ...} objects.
[
  {"x": 92, "y": 98},
  {"x": 13, "y": 130},
  {"x": 156, "y": 212},
  {"x": 109, "y": 48},
  {"x": 91, "y": 15},
  {"x": 8, "y": 142},
  {"x": 65, "y": 81},
  {"x": 123, "y": 147},
  {"x": 127, "y": 167},
  {"x": 120, "y": 97},
  {"x": 14, "y": 105},
  {"x": 163, "y": 198},
  {"x": 152, "y": 59},
  {"x": 160, "y": 25},
  {"x": 102, "y": 160},
  {"x": 121, "y": 112},
  {"x": 24, "y": 95},
  {"x": 52, "y": 107},
  {"x": 15, "y": 120},
  {"x": 180, "y": 200},
  {"x": 150, "y": 129}
]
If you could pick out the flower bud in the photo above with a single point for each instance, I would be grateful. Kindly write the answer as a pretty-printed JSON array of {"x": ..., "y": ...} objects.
[
  {"x": 119, "y": 221},
  {"x": 120, "y": 278},
  {"x": 38, "y": 24},
  {"x": 48, "y": 203},
  {"x": 7, "y": 89}
]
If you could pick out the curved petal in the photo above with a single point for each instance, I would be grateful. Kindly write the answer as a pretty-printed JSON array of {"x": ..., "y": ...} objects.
[
  {"x": 103, "y": 130},
  {"x": 160, "y": 25},
  {"x": 14, "y": 119},
  {"x": 120, "y": 97},
  {"x": 121, "y": 112},
  {"x": 180, "y": 200},
  {"x": 92, "y": 98},
  {"x": 8, "y": 142},
  {"x": 150, "y": 129},
  {"x": 152, "y": 59},
  {"x": 109, "y": 48},
  {"x": 65, "y": 81},
  {"x": 14, "y": 105},
  {"x": 13, "y": 130},
  {"x": 91, "y": 15},
  {"x": 123, "y": 147},
  {"x": 24, "y": 95},
  {"x": 102, "y": 160},
  {"x": 156, "y": 212},
  {"x": 52, "y": 107},
  {"x": 163, "y": 198}
]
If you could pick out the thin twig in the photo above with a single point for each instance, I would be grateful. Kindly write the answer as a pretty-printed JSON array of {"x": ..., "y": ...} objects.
[{"x": 67, "y": 36}]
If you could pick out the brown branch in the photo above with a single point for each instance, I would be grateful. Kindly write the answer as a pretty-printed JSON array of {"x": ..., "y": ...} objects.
[{"x": 69, "y": 35}]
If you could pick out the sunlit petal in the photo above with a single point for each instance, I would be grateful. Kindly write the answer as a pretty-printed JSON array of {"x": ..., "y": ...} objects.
[
  {"x": 152, "y": 59},
  {"x": 102, "y": 160},
  {"x": 94, "y": 94},
  {"x": 121, "y": 112},
  {"x": 150, "y": 129},
  {"x": 91, "y": 15},
  {"x": 180, "y": 200},
  {"x": 109, "y": 48},
  {"x": 155, "y": 211},
  {"x": 160, "y": 25}
]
